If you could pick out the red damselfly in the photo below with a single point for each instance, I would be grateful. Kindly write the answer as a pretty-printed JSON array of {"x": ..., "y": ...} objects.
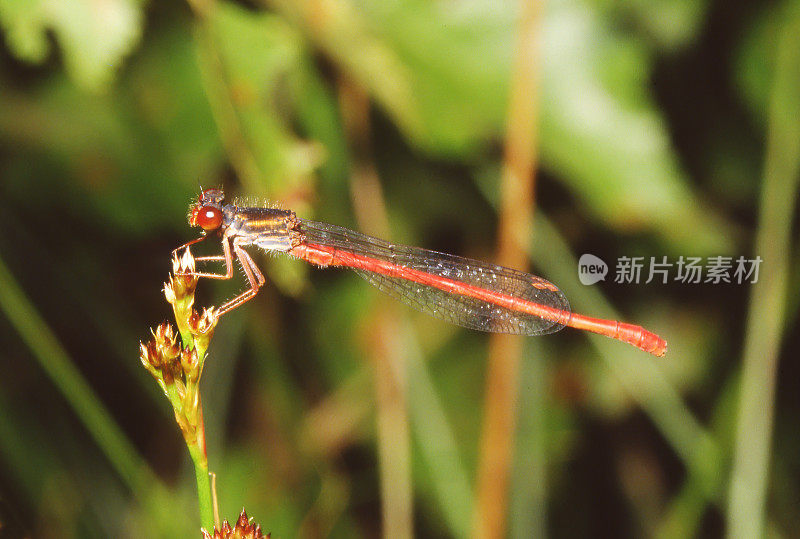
[{"x": 459, "y": 290}]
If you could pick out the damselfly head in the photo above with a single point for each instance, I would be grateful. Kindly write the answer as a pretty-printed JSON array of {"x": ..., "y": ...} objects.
[{"x": 206, "y": 211}]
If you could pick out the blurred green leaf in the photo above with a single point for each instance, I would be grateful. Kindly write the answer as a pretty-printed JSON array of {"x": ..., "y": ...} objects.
[
  {"x": 458, "y": 59},
  {"x": 94, "y": 36},
  {"x": 601, "y": 131},
  {"x": 151, "y": 142},
  {"x": 254, "y": 65},
  {"x": 248, "y": 59},
  {"x": 603, "y": 134}
]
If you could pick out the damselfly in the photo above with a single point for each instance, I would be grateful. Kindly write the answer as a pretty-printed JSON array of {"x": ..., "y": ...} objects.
[{"x": 459, "y": 290}]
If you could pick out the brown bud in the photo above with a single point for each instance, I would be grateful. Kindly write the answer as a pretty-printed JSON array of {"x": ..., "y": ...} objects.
[
  {"x": 188, "y": 360},
  {"x": 244, "y": 529},
  {"x": 169, "y": 291},
  {"x": 184, "y": 263},
  {"x": 171, "y": 371},
  {"x": 200, "y": 324},
  {"x": 149, "y": 356},
  {"x": 165, "y": 333},
  {"x": 183, "y": 281},
  {"x": 166, "y": 342},
  {"x": 190, "y": 365},
  {"x": 243, "y": 520}
]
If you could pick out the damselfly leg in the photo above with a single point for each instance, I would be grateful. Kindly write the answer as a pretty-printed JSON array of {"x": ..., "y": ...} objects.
[{"x": 254, "y": 276}]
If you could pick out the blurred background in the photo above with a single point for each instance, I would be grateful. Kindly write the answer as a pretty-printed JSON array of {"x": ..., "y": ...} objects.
[{"x": 668, "y": 128}]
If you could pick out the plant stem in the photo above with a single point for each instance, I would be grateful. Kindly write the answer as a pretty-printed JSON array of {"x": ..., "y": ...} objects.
[
  {"x": 765, "y": 322},
  {"x": 198, "y": 452},
  {"x": 515, "y": 218}
]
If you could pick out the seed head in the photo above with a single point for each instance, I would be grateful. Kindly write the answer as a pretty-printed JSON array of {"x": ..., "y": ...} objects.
[
  {"x": 184, "y": 263},
  {"x": 148, "y": 354},
  {"x": 190, "y": 365},
  {"x": 243, "y": 529},
  {"x": 166, "y": 342},
  {"x": 202, "y": 326},
  {"x": 182, "y": 281}
]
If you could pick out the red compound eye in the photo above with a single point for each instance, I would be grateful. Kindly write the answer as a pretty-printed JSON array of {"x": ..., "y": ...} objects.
[{"x": 209, "y": 218}]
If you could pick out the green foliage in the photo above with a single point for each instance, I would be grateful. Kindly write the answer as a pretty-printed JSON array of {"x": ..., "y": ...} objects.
[{"x": 94, "y": 37}]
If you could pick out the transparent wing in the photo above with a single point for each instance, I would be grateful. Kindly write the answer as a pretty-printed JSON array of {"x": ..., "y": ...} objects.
[{"x": 452, "y": 307}]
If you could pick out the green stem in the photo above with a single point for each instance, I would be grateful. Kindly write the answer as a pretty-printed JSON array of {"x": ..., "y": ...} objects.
[
  {"x": 748, "y": 489},
  {"x": 203, "y": 485}
]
